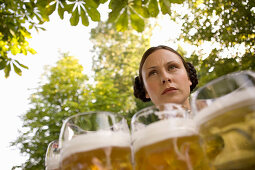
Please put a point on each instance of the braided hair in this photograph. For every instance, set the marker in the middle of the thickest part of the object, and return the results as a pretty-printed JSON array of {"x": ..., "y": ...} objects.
[{"x": 139, "y": 89}]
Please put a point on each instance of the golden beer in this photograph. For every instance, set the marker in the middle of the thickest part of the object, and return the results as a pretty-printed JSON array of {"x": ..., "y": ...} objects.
[
  {"x": 97, "y": 151},
  {"x": 228, "y": 130},
  {"x": 171, "y": 144}
]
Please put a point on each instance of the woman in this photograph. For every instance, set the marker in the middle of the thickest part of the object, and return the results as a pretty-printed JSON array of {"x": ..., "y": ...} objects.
[{"x": 165, "y": 77}]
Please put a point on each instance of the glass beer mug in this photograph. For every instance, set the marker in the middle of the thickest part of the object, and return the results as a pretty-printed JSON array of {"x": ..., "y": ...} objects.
[
  {"x": 166, "y": 137},
  {"x": 225, "y": 113},
  {"x": 52, "y": 156},
  {"x": 95, "y": 141}
]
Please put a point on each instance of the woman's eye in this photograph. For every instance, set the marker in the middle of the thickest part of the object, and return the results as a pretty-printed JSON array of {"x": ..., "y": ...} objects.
[
  {"x": 171, "y": 67},
  {"x": 153, "y": 72}
]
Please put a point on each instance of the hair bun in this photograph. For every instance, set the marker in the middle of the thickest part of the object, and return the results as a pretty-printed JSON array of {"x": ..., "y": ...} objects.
[
  {"x": 139, "y": 91},
  {"x": 192, "y": 75}
]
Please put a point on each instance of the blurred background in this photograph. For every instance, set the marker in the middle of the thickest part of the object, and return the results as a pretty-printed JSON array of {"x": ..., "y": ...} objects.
[{"x": 62, "y": 57}]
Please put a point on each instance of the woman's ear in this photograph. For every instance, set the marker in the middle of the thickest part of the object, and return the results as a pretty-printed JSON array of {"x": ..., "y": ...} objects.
[
  {"x": 146, "y": 95},
  {"x": 190, "y": 83}
]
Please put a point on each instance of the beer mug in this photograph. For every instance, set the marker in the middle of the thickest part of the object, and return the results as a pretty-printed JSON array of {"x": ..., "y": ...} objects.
[
  {"x": 96, "y": 141},
  {"x": 52, "y": 156},
  {"x": 166, "y": 137},
  {"x": 225, "y": 113}
]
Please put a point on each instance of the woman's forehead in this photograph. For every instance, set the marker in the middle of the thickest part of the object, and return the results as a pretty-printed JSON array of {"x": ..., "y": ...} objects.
[{"x": 161, "y": 56}]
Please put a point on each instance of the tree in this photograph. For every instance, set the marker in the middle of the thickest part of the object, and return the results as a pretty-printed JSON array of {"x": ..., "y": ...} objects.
[
  {"x": 228, "y": 26},
  {"x": 65, "y": 93},
  {"x": 116, "y": 61},
  {"x": 13, "y": 33},
  {"x": 18, "y": 16}
]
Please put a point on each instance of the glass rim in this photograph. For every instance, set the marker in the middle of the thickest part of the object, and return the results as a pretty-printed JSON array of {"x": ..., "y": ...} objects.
[
  {"x": 141, "y": 111},
  {"x": 157, "y": 109},
  {"x": 91, "y": 112},
  {"x": 195, "y": 94},
  {"x": 49, "y": 148},
  {"x": 171, "y": 126},
  {"x": 84, "y": 114}
]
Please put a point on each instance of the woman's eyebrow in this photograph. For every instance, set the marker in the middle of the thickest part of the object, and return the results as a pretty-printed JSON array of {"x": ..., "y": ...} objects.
[
  {"x": 154, "y": 67},
  {"x": 170, "y": 62},
  {"x": 151, "y": 67}
]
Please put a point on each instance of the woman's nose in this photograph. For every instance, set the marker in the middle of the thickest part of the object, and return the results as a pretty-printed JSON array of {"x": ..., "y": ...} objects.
[
  {"x": 165, "y": 77},
  {"x": 166, "y": 80}
]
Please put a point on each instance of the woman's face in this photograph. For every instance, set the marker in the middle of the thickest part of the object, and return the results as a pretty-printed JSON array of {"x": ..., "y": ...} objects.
[{"x": 165, "y": 78}]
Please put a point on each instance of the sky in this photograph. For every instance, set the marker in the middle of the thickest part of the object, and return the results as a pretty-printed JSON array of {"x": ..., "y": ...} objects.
[{"x": 59, "y": 36}]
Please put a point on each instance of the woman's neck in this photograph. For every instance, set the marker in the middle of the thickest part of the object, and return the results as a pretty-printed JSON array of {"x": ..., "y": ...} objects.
[{"x": 186, "y": 105}]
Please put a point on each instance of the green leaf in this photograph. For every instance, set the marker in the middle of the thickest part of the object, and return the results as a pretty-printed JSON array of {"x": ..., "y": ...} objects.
[
  {"x": 153, "y": 8},
  {"x": 50, "y": 9},
  {"x": 17, "y": 70},
  {"x": 142, "y": 11},
  {"x": 68, "y": 7},
  {"x": 21, "y": 64},
  {"x": 74, "y": 20},
  {"x": 137, "y": 3},
  {"x": 175, "y": 1},
  {"x": 84, "y": 18},
  {"x": 93, "y": 13},
  {"x": 165, "y": 6},
  {"x": 91, "y": 3},
  {"x": 114, "y": 15},
  {"x": 102, "y": 1},
  {"x": 122, "y": 22},
  {"x": 42, "y": 28},
  {"x": 3, "y": 64},
  {"x": 145, "y": 1},
  {"x": 7, "y": 70},
  {"x": 116, "y": 6},
  {"x": 61, "y": 12},
  {"x": 136, "y": 21}
]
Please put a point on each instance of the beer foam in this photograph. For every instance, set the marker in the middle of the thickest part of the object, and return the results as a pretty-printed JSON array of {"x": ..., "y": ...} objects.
[
  {"x": 226, "y": 103},
  {"x": 52, "y": 163},
  {"x": 95, "y": 140},
  {"x": 164, "y": 129}
]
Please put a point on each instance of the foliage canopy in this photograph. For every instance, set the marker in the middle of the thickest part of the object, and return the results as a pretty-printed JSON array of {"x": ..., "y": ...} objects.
[
  {"x": 18, "y": 16},
  {"x": 229, "y": 26}
]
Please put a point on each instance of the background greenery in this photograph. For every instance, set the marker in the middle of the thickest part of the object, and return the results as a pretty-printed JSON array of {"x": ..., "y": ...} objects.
[{"x": 228, "y": 26}]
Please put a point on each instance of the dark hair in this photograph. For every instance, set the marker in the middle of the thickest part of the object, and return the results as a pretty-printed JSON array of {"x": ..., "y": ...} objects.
[{"x": 139, "y": 90}]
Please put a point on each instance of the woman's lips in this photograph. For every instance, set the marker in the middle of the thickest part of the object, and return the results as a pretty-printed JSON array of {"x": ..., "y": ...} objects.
[{"x": 167, "y": 90}]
